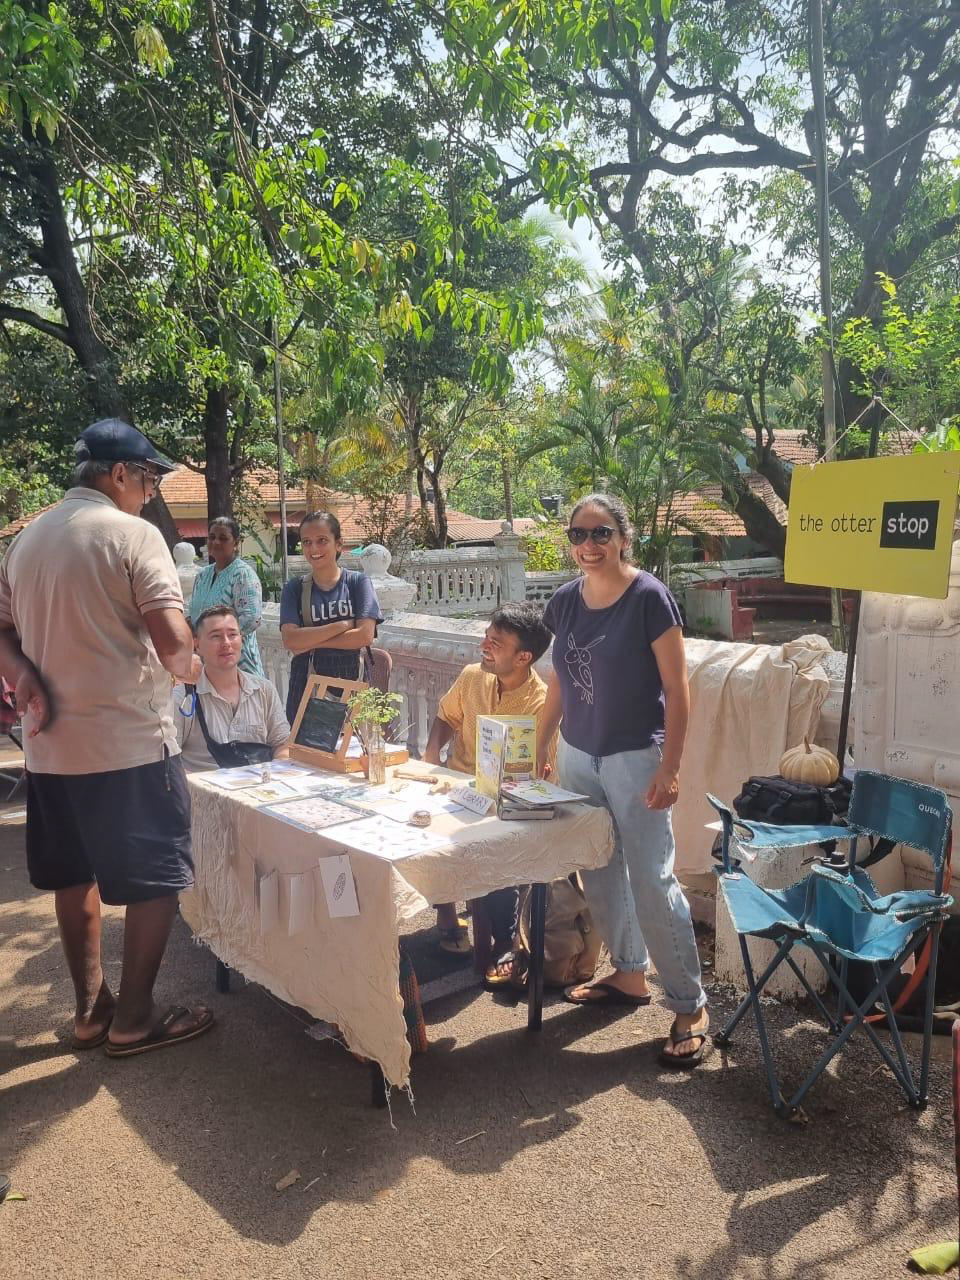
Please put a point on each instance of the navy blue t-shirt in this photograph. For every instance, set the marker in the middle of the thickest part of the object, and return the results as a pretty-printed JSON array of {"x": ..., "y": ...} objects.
[
  {"x": 609, "y": 679},
  {"x": 352, "y": 596}
]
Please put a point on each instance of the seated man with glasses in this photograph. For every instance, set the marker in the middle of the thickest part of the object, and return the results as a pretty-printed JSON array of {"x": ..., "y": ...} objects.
[
  {"x": 502, "y": 683},
  {"x": 230, "y": 716}
]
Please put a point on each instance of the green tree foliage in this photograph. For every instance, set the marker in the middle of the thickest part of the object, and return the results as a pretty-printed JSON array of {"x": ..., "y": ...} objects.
[
  {"x": 909, "y": 359},
  {"x": 610, "y": 105}
]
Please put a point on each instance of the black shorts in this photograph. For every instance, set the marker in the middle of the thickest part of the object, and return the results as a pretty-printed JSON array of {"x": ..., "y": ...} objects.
[{"x": 128, "y": 829}]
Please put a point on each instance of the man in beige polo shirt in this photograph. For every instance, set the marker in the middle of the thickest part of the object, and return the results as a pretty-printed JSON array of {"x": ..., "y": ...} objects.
[{"x": 91, "y": 630}]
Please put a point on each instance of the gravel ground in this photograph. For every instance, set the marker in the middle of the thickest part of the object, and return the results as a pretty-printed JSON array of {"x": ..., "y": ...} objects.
[{"x": 566, "y": 1155}]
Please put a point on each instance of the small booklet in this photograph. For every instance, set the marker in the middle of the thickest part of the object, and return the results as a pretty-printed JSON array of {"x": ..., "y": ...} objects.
[{"x": 537, "y": 793}]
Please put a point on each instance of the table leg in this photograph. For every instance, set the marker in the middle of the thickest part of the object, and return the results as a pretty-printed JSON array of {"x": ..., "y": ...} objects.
[
  {"x": 538, "y": 916},
  {"x": 378, "y": 1086},
  {"x": 223, "y": 978}
]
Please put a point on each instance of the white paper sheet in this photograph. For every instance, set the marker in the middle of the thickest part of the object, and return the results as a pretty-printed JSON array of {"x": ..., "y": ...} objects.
[
  {"x": 336, "y": 876},
  {"x": 233, "y": 779},
  {"x": 269, "y": 895},
  {"x": 301, "y": 892},
  {"x": 391, "y": 840},
  {"x": 270, "y": 792},
  {"x": 400, "y": 800}
]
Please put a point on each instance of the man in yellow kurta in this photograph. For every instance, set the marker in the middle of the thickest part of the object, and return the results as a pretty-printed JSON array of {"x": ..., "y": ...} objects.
[{"x": 502, "y": 683}]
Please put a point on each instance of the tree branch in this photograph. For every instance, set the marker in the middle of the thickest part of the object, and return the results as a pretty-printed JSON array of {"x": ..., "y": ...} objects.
[{"x": 22, "y": 315}]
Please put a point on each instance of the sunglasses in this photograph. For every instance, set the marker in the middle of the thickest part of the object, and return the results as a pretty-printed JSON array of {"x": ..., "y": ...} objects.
[{"x": 601, "y": 535}]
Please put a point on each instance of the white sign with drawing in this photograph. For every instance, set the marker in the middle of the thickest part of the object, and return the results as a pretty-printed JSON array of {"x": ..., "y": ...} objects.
[{"x": 339, "y": 888}]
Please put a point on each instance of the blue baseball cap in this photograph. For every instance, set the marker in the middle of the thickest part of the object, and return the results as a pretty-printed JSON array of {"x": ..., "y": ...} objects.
[{"x": 113, "y": 440}]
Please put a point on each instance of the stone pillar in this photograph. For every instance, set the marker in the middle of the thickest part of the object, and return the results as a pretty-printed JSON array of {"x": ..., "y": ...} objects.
[
  {"x": 513, "y": 564},
  {"x": 394, "y": 594}
]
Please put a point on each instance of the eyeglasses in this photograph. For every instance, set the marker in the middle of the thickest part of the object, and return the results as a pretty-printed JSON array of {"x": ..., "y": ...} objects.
[
  {"x": 149, "y": 475},
  {"x": 601, "y": 535}
]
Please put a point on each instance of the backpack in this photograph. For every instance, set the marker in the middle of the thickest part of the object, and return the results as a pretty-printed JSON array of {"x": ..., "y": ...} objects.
[
  {"x": 787, "y": 803},
  {"x": 571, "y": 945}
]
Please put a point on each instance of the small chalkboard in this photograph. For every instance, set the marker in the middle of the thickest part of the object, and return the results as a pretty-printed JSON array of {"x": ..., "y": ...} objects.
[
  {"x": 322, "y": 724},
  {"x": 322, "y": 731}
]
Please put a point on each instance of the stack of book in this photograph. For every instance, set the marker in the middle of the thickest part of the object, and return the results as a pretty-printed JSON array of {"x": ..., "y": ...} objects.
[{"x": 534, "y": 800}]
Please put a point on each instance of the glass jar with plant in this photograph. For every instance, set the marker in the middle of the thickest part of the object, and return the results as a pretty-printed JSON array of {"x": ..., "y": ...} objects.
[{"x": 371, "y": 711}]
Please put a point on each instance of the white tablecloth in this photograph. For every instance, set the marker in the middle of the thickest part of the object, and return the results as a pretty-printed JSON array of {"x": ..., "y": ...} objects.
[{"x": 346, "y": 970}]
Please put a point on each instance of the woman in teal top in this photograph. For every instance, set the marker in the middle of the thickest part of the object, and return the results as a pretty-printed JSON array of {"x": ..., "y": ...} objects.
[{"x": 229, "y": 580}]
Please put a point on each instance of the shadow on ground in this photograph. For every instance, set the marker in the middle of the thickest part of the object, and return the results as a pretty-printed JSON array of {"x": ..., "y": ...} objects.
[{"x": 582, "y": 1109}]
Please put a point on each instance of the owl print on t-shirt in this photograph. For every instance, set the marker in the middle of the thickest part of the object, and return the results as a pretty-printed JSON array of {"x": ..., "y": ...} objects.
[{"x": 579, "y": 659}]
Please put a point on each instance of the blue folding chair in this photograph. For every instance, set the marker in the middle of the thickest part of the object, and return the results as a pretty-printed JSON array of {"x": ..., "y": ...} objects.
[{"x": 838, "y": 914}]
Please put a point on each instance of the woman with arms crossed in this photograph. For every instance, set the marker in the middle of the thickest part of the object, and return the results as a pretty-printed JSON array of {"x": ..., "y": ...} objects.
[
  {"x": 344, "y": 611},
  {"x": 620, "y": 683}
]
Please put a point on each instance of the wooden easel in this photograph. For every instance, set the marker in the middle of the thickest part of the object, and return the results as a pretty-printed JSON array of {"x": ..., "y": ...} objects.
[{"x": 335, "y": 761}]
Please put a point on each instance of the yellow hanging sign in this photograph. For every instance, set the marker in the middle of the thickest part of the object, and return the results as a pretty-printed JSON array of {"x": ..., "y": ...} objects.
[{"x": 876, "y": 524}]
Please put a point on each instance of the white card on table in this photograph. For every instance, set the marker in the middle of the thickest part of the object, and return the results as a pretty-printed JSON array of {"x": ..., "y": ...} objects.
[
  {"x": 269, "y": 902},
  {"x": 470, "y": 799},
  {"x": 301, "y": 891},
  {"x": 336, "y": 875}
]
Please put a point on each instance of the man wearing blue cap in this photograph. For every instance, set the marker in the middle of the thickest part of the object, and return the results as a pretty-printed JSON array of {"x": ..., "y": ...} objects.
[{"x": 91, "y": 630}]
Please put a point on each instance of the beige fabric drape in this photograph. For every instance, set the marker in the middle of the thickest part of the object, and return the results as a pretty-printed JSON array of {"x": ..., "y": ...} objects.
[
  {"x": 748, "y": 703},
  {"x": 346, "y": 970}
]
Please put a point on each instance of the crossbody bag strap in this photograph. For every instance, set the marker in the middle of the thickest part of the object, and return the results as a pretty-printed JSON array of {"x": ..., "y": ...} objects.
[
  {"x": 367, "y": 651},
  {"x": 200, "y": 717},
  {"x": 306, "y": 600}
]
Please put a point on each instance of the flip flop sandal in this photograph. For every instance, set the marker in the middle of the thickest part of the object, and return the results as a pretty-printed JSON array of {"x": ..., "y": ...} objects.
[
  {"x": 610, "y": 995},
  {"x": 684, "y": 1061},
  {"x": 161, "y": 1037},
  {"x": 495, "y": 981},
  {"x": 81, "y": 1045},
  {"x": 455, "y": 941}
]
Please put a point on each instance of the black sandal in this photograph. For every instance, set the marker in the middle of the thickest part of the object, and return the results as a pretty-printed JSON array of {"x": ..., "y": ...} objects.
[
  {"x": 455, "y": 941},
  {"x": 684, "y": 1061}
]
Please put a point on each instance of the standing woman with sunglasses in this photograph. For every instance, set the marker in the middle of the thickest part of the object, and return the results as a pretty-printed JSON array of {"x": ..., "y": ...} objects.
[{"x": 619, "y": 681}]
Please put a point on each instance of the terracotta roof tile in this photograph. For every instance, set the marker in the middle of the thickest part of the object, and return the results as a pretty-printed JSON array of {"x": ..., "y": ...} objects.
[
  {"x": 15, "y": 526},
  {"x": 186, "y": 487}
]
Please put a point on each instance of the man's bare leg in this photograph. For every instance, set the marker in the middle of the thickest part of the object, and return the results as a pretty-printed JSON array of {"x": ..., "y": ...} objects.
[
  {"x": 145, "y": 934},
  {"x": 78, "y": 915}
]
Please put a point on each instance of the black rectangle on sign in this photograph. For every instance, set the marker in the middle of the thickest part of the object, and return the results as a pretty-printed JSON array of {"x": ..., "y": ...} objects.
[
  {"x": 911, "y": 525},
  {"x": 322, "y": 724}
]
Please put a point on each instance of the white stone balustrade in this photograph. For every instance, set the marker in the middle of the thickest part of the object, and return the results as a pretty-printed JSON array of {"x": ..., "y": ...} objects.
[{"x": 468, "y": 580}]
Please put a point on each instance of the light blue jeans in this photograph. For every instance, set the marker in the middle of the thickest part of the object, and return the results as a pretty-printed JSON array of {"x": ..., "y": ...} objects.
[{"x": 638, "y": 906}]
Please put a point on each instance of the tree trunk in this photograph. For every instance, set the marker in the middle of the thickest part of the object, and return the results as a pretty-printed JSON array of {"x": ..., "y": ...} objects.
[
  {"x": 216, "y": 443},
  {"x": 507, "y": 489},
  {"x": 760, "y": 522},
  {"x": 441, "y": 527},
  {"x": 60, "y": 266},
  {"x": 58, "y": 262}
]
